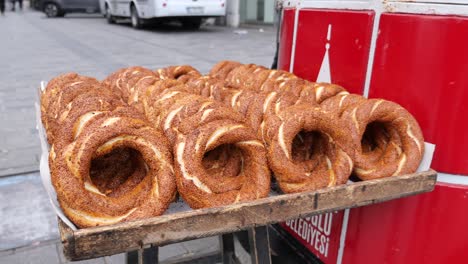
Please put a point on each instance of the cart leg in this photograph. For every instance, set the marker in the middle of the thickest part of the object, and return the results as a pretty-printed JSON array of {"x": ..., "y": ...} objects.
[
  {"x": 259, "y": 245},
  {"x": 143, "y": 256},
  {"x": 226, "y": 242},
  {"x": 132, "y": 257},
  {"x": 150, "y": 255}
]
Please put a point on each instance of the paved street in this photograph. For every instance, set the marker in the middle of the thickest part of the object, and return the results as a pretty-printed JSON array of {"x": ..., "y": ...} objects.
[{"x": 34, "y": 48}]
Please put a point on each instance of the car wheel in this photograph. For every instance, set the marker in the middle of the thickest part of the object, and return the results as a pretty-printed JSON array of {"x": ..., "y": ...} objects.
[
  {"x": 136, "y": 21},
  {"x": 192, "y": 23},
  {"x": 52, "y": 10},
  {"x": 109, "y": 16}
]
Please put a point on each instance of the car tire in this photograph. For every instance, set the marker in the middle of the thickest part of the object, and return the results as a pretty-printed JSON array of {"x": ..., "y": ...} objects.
[
  {"x": 52, "y": 10},
  {"x": 192, "y": 23},
  {"x": 109, "y": 17},
  {"x": 136, "y": 20}
]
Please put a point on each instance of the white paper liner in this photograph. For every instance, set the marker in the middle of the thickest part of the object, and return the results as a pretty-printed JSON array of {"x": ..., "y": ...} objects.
[
  {"x": 44, "y": 163},
  {"x": 425, "y": 164},
  {"x": 174, "y": 207}
]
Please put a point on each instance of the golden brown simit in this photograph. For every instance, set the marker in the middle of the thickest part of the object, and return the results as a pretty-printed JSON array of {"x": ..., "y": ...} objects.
[{"x": 79, "y": 197}]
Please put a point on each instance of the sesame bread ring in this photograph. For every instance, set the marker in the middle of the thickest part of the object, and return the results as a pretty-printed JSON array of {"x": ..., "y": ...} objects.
[
  {"x": 51, "y": 92},
  {"x": 82, "y": 108},
  {"x": 110, "y": 82},
  {"x": 83, "y": 203},
  {"x": 124, "y": 81},
  {"x": 71, "y": 91},
  {"x": 276, "y": 80},
  {"x": 264, "y": 104},
  {"x": 239, "y": 100},
  {"x": 340, "y": 102},
  {"x": 255, "y": 79},
  {"x": 61, "y": 94},
  {"x": 175, "y": 111},
  {"x": 247, "y": 77},
  {"x": 324, "y": 91},
  {"x": 182, "y": 73},
  {"x": 79, "y": 123},
  {"x": 206, "y": 115},
  {"x": 139, "y": 92},
  {"x": 200, "y": 189},
  {"x": 180, "y": 111},
  {"x": 252, "y": 105},
  {"x": 401, "y": 135},
  {"x": 259, "y": 78},
  {"x": 163, "y": 92},
  {"x": 121, "y": 166},
  {"x": 303, "y": 91},
  {"x": 332, "y": 168},
  {"x": 378, "y": 142},
  {"x": 209, "y": 87},
  {"x": 183, "y": 113},
  {"x": 223, "y": 68},
  {"x": 161, "y": 86}
]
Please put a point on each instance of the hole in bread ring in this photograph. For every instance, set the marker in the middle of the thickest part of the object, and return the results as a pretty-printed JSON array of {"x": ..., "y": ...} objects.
[
  {"x": 308, "y": 148},
  {"x": 200, "y": 189},
  {"x": 83, "y": 203},
  {"x": 117, "y": 172},
  {"x": 225, "y": 160},
  {"x": 224, "y": 165}
]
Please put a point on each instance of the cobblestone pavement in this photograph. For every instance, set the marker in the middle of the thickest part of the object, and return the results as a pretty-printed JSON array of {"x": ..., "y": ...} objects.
[{"x": 34, "y": 48}]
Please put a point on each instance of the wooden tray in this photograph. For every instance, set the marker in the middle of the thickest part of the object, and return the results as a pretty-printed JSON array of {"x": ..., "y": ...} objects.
[{"x": 176, "y": 227}]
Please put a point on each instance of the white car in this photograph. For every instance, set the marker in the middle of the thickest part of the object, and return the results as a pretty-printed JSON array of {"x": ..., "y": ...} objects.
[{"x": 190, "y": 12}]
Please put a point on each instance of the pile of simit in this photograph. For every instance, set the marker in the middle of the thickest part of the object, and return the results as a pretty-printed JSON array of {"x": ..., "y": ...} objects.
[{"x": 121, "y": 149}]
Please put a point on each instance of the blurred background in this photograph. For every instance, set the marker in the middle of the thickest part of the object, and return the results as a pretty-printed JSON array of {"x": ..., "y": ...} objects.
[{"x": 40, "y": 39}]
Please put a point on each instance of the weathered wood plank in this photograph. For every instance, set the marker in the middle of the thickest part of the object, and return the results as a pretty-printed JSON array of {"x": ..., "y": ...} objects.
[
  {"x": 167, "y": 229},
  {"x": 67, "y": 238}
]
